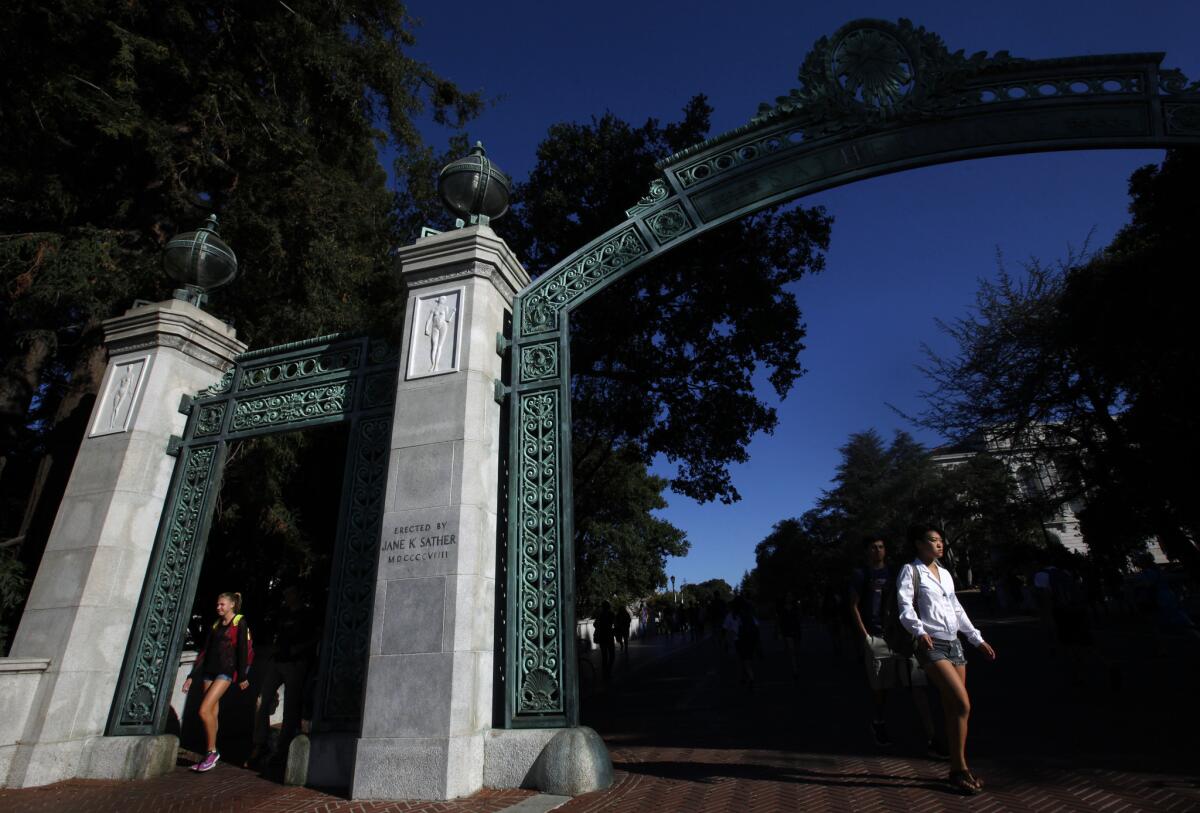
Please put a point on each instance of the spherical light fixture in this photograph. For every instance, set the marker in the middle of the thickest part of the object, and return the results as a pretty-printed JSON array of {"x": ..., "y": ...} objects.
[
  {"x": 474, "y": 188},
  {"x": 200, "y": 260}
]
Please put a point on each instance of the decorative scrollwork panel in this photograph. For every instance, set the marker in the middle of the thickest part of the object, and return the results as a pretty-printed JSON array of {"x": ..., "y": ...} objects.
[
  {"x": 556, "y": 291},
  {"x": 538, "y": 682},
  {"x": 148, "y": 661},
  {"x": 283, "y": 408},
  {"x": 353, "y": 591}
]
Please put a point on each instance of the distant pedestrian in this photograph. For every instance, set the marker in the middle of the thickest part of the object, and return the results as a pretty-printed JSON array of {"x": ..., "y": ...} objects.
[
  {"x": 1158, "y": 604},
  {"x": 224, "y": 660},
  {"x": 623, "y": 620},
  {"x": 604, "y": 631},
  {"x": 873, "y": 611},
  {"x": 789, "y": 616},
  {"x": 743, "y": 626},
  {"x": 931, "y": 612}
]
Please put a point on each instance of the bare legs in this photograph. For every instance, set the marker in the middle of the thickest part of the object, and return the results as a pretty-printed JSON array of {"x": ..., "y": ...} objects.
[
  {"x": 213, "y": 691},
  {"x": 951, "y": 683}
]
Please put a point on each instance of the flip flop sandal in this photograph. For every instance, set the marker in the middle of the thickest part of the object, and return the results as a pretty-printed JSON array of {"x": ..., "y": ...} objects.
[{"x": 963, "y": 781}]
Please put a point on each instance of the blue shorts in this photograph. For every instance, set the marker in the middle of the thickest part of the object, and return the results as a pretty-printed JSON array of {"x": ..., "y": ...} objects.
[
  {"x": 942, "y": 651},
  {"x": 211, "y": 677}
]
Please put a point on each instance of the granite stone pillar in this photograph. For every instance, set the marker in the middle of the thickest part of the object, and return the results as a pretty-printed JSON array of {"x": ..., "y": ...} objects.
[
  {"x": 86, "y": 591},
  {"x": 429, "y": 684}
]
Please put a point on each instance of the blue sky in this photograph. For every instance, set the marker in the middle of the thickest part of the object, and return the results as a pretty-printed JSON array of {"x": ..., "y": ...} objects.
[{"x": 906, "y": 249}]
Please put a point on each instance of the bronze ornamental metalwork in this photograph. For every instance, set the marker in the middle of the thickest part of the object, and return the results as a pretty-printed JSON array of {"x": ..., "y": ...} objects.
[
  {"x": 330, "y": 379},
  {"x": 874, "y": 98}
]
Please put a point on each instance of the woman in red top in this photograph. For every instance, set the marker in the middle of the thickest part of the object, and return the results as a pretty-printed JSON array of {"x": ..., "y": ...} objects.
[{"x": 223, "y": 660}]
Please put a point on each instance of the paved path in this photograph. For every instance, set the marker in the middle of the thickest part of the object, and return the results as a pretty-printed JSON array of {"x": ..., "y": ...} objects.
[{"x": 686, "y": 736}]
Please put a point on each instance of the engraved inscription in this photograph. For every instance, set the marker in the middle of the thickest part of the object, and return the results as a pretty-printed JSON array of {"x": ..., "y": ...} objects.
[{"x": 418, "y": 545}]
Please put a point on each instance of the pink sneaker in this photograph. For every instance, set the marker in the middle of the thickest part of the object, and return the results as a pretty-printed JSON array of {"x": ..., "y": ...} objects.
[{"x": 208, "y": 763}]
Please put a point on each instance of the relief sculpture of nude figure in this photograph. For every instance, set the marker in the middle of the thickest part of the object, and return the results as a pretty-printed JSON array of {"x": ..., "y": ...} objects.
[{"x": 437, "y": 326}]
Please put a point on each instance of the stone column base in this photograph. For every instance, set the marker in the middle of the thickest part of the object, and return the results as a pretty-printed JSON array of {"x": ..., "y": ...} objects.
[
  {"x": 129, "y": 757},
  {"x": 418, "y": 767},
  {"x": 561, "y": 761}
]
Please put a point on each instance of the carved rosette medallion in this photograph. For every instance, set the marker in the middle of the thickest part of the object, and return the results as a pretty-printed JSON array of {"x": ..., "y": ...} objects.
[
  {"x": 669, "y": 223},
  {"x": 1182, "y": 119},
  {"x": 873, "y": 66},
  {"x": 539, "y": 362},
  {"x": 208, "y": 422}
]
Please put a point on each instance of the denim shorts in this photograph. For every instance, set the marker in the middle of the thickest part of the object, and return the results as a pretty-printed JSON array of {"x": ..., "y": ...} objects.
[
  {"x": 211, "y": 677},
  {"x": 942, "y": 651}
]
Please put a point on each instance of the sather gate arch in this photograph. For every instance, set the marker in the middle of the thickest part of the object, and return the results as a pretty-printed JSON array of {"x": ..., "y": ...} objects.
[{"x": 874, "y": 98}]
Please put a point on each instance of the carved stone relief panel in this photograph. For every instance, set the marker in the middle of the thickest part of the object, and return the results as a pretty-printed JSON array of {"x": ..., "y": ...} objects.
[
  {"x": 434, "y": 344},
  {"x": 121, "y": 395}
]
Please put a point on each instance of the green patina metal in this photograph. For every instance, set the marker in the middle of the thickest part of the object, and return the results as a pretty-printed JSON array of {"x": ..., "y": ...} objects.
[
  {"x": 875, "y": 98},
  {"x": 330, "y": 379}
]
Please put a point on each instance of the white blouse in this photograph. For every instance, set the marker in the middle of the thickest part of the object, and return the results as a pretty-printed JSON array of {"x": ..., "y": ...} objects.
[{"x": 940, "y": 616}]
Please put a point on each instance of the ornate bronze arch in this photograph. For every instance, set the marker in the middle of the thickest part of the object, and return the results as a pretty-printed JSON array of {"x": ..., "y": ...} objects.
[
  {"x": 342, "y": 379},
  {"x": 876, "y": 97}
]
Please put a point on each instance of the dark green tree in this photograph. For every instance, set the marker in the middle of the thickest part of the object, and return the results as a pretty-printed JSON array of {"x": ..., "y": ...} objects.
[
  {"x": 1089, "y": 365},
  {"x": 665, "y": 361},
  {"x": 622, "y": 547},
  {"x": 125, "y": 123},
  {"x": 705, "y": 592}
]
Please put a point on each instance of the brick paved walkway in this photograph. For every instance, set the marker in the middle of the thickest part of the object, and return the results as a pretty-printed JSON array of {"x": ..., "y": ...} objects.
[
  {"x": 685, "y": 736},
  {"x": 225, "y": 788}
]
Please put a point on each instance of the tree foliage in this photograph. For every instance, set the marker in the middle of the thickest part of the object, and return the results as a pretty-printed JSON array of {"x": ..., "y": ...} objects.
[
  {"x": 125, "y": 123},
  {"x": 879, "y": 491},
  {"x": 1091, "y": 364},
  {"x": 666, "y": 361},
  {"x": 621, "y": 546}
]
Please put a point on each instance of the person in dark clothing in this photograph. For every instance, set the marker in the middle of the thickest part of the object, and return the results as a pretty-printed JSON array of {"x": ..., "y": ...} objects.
[
  {"x": 604, "y": 628},
  {"x": 224, "y": 660},
  {"x": 297, "y": 636},
  {"x": 873, "y": 607},
  {"x": 623, "y": 620},
  {"x": 743, "y": 624},
  {"x": 790, "y": 623}
]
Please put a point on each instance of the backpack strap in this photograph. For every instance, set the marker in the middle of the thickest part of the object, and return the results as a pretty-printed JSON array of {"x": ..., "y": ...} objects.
[{"x": 916, "y": 590}]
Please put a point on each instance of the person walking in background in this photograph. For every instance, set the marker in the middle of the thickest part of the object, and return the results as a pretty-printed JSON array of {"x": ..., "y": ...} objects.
[
  {"x": 744, "y": 627},
  {"x": 930, "y": 611},
  {"x": 788, "y": 613},
  {"x": 873, "y": 607},
  {"x": 624, "y": 619},
  {"x": 224, "y": 660},
  {"x": 297, "y": 636},
  {"x": 604, "y": 638}
]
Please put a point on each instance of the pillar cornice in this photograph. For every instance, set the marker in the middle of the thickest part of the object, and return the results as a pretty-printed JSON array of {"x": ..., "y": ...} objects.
[
  {"x": 175, "y": 324},
  {"x": 473, "y": 251}
]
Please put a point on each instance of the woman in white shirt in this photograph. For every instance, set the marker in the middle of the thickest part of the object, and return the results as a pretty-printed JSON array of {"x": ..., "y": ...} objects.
[{"x": 935, "y": 618}]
